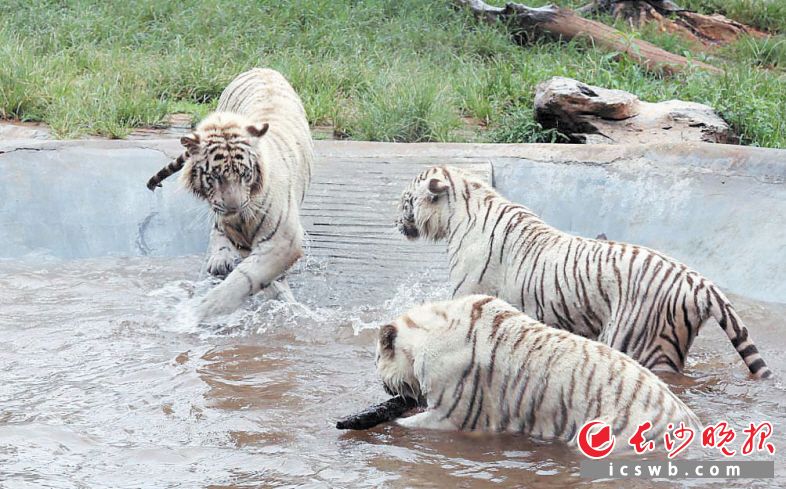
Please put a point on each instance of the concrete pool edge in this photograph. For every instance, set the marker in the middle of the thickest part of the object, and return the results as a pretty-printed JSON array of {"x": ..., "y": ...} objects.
[
  {"x": 719, "y": 208},
  {"x": 765, "y": 163},
  {"x": 578, "y": 153}
]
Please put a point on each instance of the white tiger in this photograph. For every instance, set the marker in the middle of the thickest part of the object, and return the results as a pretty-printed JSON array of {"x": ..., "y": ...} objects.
[
  {"x": 251, "y": 160},
  {"x": 482, "y": 365},
  {"x": 631, "y": 298}
]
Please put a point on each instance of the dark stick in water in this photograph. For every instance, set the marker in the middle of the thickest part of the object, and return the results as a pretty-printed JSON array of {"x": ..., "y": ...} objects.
[{"x": 379, "y": 413}]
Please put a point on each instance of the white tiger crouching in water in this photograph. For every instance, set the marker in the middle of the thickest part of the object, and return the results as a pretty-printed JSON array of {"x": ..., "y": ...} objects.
[
  {"x": 482, "y": 365},
  {"x": 251, "y": 160},
  {"x": 631, "y": 298}
]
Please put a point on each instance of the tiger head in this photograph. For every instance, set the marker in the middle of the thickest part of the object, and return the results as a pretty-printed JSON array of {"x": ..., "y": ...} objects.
[
  {"x": 222, "y": 165},
  {"x": 425, "y": 206},
  {"x": 397, "y": 346}
]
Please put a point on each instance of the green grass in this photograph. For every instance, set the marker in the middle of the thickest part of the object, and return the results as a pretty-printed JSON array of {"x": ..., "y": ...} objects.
[
  {"x": 769, "y": 52},
  {"x": 387, "y": 70}
]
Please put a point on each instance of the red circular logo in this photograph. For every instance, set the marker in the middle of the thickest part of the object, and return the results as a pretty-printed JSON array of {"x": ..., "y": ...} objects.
[{"x": 595, "y": 439}]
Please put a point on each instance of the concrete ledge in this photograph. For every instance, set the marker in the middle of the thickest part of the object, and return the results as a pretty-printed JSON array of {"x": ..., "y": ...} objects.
[{"x": 720, "y": 209}]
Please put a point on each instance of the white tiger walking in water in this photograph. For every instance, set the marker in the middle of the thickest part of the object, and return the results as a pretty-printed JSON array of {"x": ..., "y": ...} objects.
[
  {"x": 631, "y": 298},
  {"x": 251, "y": 160},
  {"x": 482, "y": 365}
]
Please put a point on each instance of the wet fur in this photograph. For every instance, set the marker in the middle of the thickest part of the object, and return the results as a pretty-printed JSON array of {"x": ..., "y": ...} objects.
[
  {"x": 482, "y": 365},
  {"x": 251, "y": 161},
  {"x": 632, "y": 298}
]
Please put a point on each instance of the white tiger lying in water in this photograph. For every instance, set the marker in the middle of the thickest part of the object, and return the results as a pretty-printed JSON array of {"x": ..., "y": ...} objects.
[
  {"x": 251, "y": 161},
  {"x": 632, "y": 298},
  {"x": 483, "y": 365}
]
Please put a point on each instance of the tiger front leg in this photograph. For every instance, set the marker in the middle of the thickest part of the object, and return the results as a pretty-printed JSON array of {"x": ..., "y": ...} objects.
[
  {"x": 279, "y": 290},
  {"x": 267, "y": 262},
  {"x": 224, "y": 256}
]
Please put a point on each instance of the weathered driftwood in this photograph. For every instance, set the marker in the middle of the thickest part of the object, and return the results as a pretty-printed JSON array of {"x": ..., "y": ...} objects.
[
  {"x": 588, "y": 114},
  {"x": 670, "y": 17},
  {"x": 566, "y": 24}
]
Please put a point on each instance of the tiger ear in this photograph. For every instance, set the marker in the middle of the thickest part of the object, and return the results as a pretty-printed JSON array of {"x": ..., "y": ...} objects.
[
  {"x": 258, "y": 130},
  {"x": 437, "y": 187},
  {"x": 190, "y": 142}
]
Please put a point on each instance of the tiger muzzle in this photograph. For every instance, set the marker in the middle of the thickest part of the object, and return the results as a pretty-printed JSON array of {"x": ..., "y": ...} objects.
[{"x": 408, "y": 228}]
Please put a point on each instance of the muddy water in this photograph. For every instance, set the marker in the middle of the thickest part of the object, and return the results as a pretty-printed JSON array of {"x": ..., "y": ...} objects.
[{"x": 104, "y": 384}]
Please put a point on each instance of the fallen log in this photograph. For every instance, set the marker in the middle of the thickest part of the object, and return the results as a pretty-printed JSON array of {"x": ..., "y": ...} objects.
[
  {"x": 670, "y": 17},
  {"x": 566, "y": 24}
]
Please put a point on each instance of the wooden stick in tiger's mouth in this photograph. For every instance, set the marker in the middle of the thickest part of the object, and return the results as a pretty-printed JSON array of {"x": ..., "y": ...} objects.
[
  {"x": 172, "y": 168},
  {"x": 383, "y": 412}
]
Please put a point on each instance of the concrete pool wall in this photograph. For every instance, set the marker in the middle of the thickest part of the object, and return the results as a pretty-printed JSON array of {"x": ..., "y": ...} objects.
[{"x": 720, "y": 209}]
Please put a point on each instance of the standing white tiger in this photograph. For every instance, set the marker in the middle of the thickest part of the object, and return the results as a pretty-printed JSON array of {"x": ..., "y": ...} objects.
[
  {"x": 482, "y": 365},
  {"x": 251, "y": 160},
  {"x": 631, "y": 298}
]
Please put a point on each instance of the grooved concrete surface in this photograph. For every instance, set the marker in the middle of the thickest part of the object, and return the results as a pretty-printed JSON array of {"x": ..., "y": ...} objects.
[{"x": 720, "y": 209}]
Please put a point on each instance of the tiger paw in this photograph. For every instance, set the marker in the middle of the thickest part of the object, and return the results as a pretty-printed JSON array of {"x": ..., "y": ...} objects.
[
  {"x": 221, "y": 263},
  {"x": 222, "y": 299},
  {"x": 428, "y": 419},
  {"x": 211, "y": 306}
]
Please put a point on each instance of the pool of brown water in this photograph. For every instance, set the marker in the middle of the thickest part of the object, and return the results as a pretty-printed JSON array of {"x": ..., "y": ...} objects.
[{"x": 105, "y": 383}]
